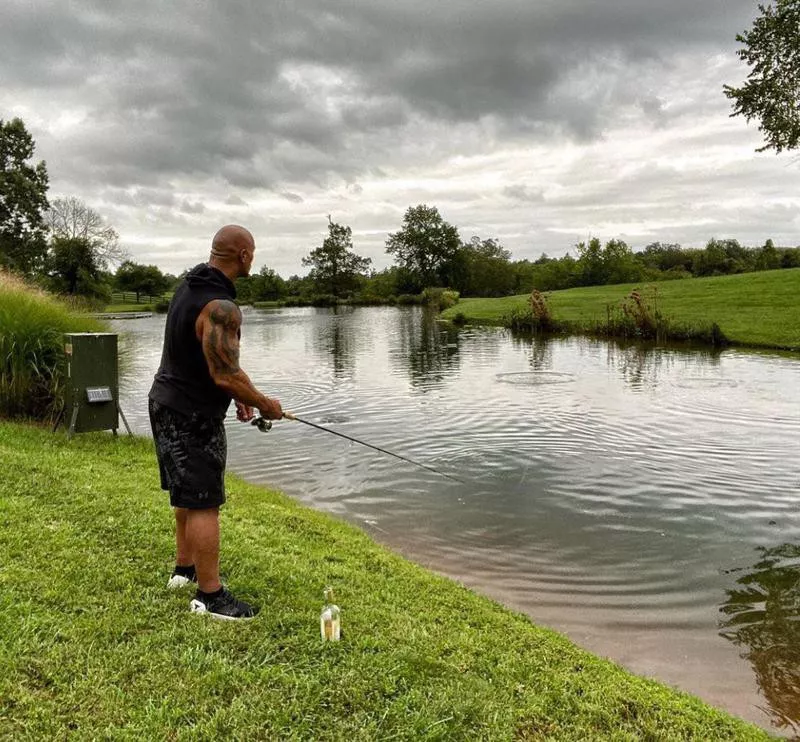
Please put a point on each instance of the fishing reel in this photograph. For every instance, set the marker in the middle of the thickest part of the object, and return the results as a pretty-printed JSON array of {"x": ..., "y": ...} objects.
[{"x": 262, "y": 424}]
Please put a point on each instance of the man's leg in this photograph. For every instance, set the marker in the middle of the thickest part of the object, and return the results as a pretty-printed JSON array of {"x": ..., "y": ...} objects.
[
  {"x": 202, "y": 532},
  {"x": 183, "y": 550}
]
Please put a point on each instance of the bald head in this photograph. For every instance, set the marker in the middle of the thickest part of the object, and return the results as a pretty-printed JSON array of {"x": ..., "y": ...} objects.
[{"x": 232, "y": 251}]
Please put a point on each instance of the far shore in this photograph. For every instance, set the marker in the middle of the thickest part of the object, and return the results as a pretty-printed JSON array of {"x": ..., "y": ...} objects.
[{"x": 757, "y": 310}]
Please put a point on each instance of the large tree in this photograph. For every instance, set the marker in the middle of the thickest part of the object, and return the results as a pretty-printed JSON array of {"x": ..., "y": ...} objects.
[
  {"x": 141, "y": 279},
  {"x": 70, "y": 218},
  {"x": 426, "y": 246},
  {"x": 771, "y": 93},
  {"x": 23, "y": 200},
  {"x": 267, "y": 285},
  {"x": 335, "y": 268},
  {"x": 74, "y": 269},
  {"x": 487, "y": 269}
]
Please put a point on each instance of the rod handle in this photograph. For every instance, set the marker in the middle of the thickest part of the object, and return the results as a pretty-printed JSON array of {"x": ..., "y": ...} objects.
[{"x": 289, "y": 415}]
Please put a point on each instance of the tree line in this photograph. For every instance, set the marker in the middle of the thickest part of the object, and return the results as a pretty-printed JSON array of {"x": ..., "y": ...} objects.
[{"x": 429, "y": 252}]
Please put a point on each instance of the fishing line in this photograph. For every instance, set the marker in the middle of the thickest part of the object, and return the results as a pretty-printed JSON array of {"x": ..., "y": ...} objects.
[{"x": 265, "y": 425}]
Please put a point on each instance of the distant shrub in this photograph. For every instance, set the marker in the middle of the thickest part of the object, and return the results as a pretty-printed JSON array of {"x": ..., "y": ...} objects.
[
  {"x": 369, "y": 299},
  {"x": 408, "y": 299},
  {"x": 161, "y": 306},
  {"x": 674, "y": 274},
  {"x": 324, "y": 300},
  {"x": 460, "y": 319},
  {"x": 32, "y": 368},
  {"x": 440, "y": 297}
]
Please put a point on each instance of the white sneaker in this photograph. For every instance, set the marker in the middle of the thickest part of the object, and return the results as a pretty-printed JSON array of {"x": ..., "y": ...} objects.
[{"x": 178, "y": 581}]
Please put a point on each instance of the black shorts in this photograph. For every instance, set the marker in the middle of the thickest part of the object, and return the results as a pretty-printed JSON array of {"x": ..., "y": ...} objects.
[{"x": 191, "y": 452}]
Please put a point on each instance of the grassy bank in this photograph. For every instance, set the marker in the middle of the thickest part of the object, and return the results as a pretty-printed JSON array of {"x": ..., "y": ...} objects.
[
  {"x": 32, "y": 327},
  {"x": 93, "y": 646},
  {"x": 267, "y": 304},
  {"x": 757, "y": 309},
  {"x": 127, "y": 308}
]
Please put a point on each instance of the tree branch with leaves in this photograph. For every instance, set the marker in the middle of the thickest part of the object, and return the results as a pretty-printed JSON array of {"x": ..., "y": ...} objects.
[
  {"x": 771, "y": 93},
  {"x": 23, "y": 200}
]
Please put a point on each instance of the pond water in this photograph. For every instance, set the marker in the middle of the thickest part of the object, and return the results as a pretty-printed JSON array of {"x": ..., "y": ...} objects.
[{"x": 644, "y": 501}]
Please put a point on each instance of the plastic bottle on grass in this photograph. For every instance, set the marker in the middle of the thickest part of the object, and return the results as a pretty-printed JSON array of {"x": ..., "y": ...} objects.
[{"x": 329, "y": 619}]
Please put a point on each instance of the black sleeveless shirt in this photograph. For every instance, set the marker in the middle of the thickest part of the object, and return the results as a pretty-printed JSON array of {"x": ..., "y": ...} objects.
[{"x": 183, "y": 381}]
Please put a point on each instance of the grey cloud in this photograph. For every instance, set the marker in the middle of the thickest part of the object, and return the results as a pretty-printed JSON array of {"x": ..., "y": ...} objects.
[
  {"x": 520, "y": 192},
  {"x": 192, "y": 207},
  {"x": 206, "y": 90},
  {"x": 139, "y": 197},
  {"x": 159, "y": 111},
  {"x": 653, "y": 108}
]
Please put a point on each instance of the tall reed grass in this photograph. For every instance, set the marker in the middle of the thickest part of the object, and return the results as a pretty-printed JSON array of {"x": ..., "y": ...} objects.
[
  {"x": 32, "y": 327},
  {"x": 636, "y": 317},
  {"x": 537, "y": 318}
]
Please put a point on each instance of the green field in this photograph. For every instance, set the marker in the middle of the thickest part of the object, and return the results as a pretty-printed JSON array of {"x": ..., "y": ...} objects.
[
  {"x": 127, "y": 308},
  {"x": 125, "y": 302},
  {"x": 267, "y": 304},
  {"x": 758, "y": 309},
  {"x": 93, "y": 645}
]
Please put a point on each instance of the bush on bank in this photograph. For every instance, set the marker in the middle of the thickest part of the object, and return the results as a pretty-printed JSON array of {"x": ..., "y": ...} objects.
[{"x": 32, "y": 327}]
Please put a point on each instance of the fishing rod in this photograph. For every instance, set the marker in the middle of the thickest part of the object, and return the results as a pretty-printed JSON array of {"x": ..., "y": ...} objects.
[{"x": 265, "y": 425}]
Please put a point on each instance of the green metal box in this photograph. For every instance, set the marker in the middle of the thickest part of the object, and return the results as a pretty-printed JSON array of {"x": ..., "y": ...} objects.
[{"x": 92, "y": 387}]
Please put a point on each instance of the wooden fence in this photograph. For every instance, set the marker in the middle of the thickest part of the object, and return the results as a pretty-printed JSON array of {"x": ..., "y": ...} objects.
[{"x": 129, "y": 297}]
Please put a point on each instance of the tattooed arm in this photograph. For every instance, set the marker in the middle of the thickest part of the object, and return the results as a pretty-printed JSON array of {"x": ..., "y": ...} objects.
[{"x": 218, "y": 330}]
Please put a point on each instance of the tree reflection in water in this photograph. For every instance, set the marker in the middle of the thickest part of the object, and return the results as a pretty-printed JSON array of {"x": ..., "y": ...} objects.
[
  {"x": 762, "y": 615},
  {"x": 337, "y": 338},
  {"x": 428, "y": 348},
  {"x": 642, "y": 365}
]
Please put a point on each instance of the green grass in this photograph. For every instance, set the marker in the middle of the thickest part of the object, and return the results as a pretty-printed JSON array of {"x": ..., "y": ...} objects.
[
  {"x": 267, "y": 304},
  {"x": 93, "y": 646},
  {"x": 126, "y": 308},
  {"x": 32, "y": 327},
  {"x": 757, "y": 309}
]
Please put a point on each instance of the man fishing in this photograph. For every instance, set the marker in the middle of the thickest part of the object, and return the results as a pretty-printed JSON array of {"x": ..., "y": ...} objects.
[{"x": 198, "y": 377}]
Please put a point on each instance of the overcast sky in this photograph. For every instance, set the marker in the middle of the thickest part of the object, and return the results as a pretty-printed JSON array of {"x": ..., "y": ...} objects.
[{"x": 536, "y": 122}]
